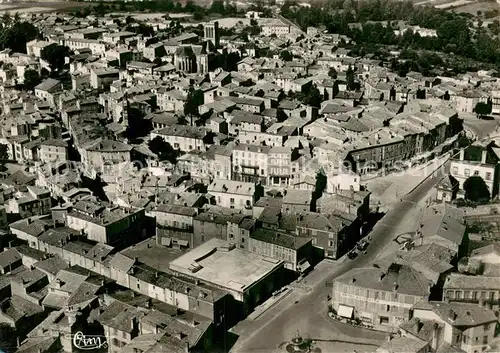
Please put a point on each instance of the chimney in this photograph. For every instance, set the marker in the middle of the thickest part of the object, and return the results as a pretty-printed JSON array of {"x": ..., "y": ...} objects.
[
  {"x": 434, "y": 335},
  {"x": 452, "y": 315},
  {"x": 353, "y": 280},
  {"x": 483, "y": 156},
  {"x": 187, "y": 347},
  {"x": 462, "y": 154},
  {"x": 381, "y": 277}
]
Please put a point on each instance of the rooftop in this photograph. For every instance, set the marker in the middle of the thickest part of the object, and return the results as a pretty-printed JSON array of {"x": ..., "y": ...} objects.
[
  {"x": 288, "y": 241},
  {"x": 219, "y": 263},
  {"x": 232, "y": 187},
  {"x": 459, "y": 281},
  {"x": 401, "y": 279},
  {"x": 443, "y": 221},
  {"x": 459, "y": 314}
]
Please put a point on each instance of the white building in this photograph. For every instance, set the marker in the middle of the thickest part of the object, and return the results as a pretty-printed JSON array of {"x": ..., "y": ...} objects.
[
  {"x": 182, "y": 137},
  {"x": 477, "y": 161},
  {"x": 274, "y": 26},
  {"x": 233, "y": 194},
  {"x": 250, "y": 162},
  {"x": 53, "y": 150}
]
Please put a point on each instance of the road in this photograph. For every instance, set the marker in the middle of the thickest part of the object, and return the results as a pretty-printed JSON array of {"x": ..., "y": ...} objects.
[
  {"x": 305, "y": 311},
  {"x": 481, "y": 128}
]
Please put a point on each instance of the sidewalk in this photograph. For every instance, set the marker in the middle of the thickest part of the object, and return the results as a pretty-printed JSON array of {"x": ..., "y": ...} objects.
[{"x": 261, "y": 309}]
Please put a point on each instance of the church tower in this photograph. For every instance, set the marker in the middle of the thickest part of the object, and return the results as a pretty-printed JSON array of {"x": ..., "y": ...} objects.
[{"x": 212, "y": 33}]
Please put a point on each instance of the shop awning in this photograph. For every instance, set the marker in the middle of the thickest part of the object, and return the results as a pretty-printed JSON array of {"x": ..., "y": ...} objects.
[{"x": 345, "y": 311}]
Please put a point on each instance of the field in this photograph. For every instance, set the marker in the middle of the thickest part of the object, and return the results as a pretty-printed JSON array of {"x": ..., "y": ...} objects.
[
  {"x": 476, "y": 6},
  {"x": 41, "y": 6}
]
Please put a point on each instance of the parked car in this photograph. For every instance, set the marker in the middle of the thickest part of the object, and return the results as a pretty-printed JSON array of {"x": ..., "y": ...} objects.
[{"x": 352, "y": 255}]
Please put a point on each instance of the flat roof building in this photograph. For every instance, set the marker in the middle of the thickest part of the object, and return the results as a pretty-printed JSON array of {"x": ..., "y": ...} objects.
[{"x": 250, "y": 278}]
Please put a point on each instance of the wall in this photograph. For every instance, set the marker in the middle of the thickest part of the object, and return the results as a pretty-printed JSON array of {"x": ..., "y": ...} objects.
[{"x": 371, "y": 304}]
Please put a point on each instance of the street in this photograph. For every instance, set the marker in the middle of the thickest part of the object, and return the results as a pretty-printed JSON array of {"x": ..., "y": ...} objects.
[
  {"x": 480, "y": 128},
  {"x": 306, "y": 310}
]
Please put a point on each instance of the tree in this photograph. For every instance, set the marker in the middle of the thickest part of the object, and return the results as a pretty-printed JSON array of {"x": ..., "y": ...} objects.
[
  {"x": 319, "y": 188},
  {"x": 56, "y": 55},
  {"x": 8, "y": 338},
  {"x": 193, "y": 101},
  {"x": 6, "y": 19},
  {"x": 312, "y": 97},
  {"x": 476, "y": 189},
  {"x": 462, "y": 141},
  {"x": 163, "y": 149},
  {"x": 350, "y": 79},
  {"x": 332, "y": 73},
  {"x": 31, "y": 79},
  {"x": 4, "y": 152},
  {"x": 198, "y": 15},
  {"x": 17, "y": 35},
  {"x": 482, "y": 109},
  {"x": 285, "y": 55},
  {"x": 218, "y": 7}
]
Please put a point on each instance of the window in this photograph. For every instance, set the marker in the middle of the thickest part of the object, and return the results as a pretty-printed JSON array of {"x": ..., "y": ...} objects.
[
  {"x": 384, "y": 320},
  {"x": 458, "y": 294},
  {"x": 476, "y": 172},
  {"x": 116, "y": 342},
  {"x": 138, "y": 286},
  {"x": 485, "y": 339},
  {"x": 474, "y": 295},
  {"x": 387, "y": 308},
  {"x": 488, "y": 176},
  {"x": 243, "y": 240},
  {"x": 486, "y": 327},
  {"x": 231, "y": 200},
  {"x": 467, "y": 172}
]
